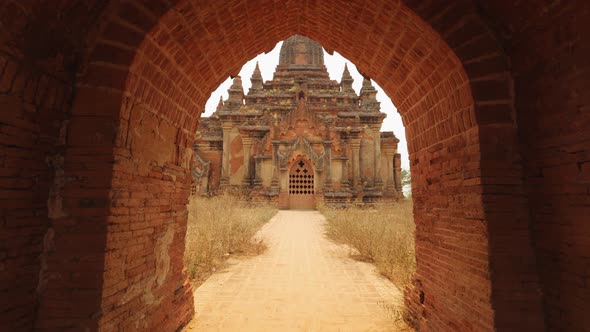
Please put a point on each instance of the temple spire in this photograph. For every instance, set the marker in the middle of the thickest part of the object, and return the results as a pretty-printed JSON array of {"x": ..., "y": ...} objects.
[
  {"x": 256, "y": 79},
  {"x": 236, "y": 94},
  {"x": 368, "y": 96},
  {"x": 346, "y": 73},
  {"x": 347, "y": 81},
  {"x": 220, "y": 104},
  {"x": 367, "y": 84}
]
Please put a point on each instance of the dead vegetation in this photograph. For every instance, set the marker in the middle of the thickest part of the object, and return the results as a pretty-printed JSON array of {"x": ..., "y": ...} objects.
[
  {"x": 383, "y": 236},
  {"x": 219, "y": 227}
]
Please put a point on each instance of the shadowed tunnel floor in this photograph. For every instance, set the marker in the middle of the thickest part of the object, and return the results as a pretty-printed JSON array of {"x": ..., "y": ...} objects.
[{"x": 303, "y": 282}]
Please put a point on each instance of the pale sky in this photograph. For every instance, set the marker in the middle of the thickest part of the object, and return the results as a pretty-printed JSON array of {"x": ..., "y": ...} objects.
[{"x": 335, "y": 65}]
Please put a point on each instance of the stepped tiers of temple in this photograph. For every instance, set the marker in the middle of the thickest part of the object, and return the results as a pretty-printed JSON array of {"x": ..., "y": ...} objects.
[{"x": 299, "y": 139}]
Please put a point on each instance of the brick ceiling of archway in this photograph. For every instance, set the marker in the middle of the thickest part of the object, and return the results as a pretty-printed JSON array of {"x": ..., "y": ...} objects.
[{"x": 194, "y": 47}]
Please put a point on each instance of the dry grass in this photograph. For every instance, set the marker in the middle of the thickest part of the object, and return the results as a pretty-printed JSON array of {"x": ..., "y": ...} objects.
[
  {"x": 383, "y": 236},
  {"x": 219, "y": 227}
]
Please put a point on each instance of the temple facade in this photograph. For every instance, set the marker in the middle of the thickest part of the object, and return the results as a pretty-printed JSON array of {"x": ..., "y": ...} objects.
[{"x": 298, "y": 139}]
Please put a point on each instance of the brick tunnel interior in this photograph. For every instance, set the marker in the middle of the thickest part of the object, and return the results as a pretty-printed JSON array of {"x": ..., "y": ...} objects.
[{"x": 99, "y": 102}]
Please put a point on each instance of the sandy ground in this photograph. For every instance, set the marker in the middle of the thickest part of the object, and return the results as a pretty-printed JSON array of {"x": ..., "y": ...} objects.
[{"x": 303, "y": 282}]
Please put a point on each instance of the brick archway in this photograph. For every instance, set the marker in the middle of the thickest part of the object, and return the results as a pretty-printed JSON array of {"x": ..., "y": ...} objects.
[
  {"x": 448, "y": 104},
  {"x": 121, "y": 180}
]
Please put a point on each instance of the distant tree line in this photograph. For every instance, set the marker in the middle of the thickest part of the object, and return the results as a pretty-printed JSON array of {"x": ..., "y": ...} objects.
[{"x": 406, "y": 178}]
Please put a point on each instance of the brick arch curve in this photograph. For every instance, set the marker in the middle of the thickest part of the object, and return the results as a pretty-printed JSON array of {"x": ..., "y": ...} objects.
[{"x": 151, "y": 68}]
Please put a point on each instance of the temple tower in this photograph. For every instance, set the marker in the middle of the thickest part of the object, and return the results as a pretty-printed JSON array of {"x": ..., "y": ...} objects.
[{"x": 301, "y": 120}]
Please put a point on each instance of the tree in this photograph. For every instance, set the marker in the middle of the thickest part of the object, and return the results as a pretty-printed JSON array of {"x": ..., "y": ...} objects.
[{"x": 406, "y": 177}]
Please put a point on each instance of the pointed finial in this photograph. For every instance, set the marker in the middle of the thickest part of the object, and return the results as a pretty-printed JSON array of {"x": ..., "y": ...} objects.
[
  {"x": 346, "y": 77},
  {"x": 256, "y": 79},
  {"x": 220, "y": 104},
  {"x": 346, "y": 81},
  {"x": 346, "y": 72},
  {"x": 368, "y": 96},
  {"x": 257, "y": 71},
  {"x": 236, "y": 94},
  {"x": 367, "y": 83},
  {"x": 237, "y": 84}
]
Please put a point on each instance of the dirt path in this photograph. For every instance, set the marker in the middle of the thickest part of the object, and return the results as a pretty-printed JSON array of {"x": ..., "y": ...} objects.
[{"x": 303, "y": 282}]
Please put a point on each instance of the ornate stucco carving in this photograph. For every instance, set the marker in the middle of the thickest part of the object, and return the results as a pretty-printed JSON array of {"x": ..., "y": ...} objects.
[
  {"x": 301, "y": 144},
  {"x": 199, "y": 168}
]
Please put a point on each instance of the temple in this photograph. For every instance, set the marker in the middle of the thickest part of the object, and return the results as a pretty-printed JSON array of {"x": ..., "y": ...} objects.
[{"x": 298, "y": 139}]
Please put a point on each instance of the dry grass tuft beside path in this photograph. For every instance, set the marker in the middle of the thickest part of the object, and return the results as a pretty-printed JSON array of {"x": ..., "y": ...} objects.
[
  {"x": 383, "y": 235},
  {"x": 219, "y": 227}
]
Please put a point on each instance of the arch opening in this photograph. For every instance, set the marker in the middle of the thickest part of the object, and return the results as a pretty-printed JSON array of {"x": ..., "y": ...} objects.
[
  {"x": 436, "y": 88},
  {"x": 340, "y": 124}
]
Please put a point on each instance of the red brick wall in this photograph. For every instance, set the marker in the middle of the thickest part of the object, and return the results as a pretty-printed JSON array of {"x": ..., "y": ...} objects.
[
  {"x": 549, "y": 50},
  {"x": 31, "y": 122},
  {"x": 36, "y": 75},
  {"x": 474, "y": 199},
  {"x": 144, "y": 286},
  {"x": 557, "y": 141}
]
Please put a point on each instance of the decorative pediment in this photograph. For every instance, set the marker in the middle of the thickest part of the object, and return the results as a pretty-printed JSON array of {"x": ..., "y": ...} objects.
[{"x": 301, "y": 144}]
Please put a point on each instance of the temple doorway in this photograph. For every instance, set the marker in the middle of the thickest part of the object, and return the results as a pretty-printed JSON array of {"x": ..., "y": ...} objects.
[{"x": 301, "y": 186}]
